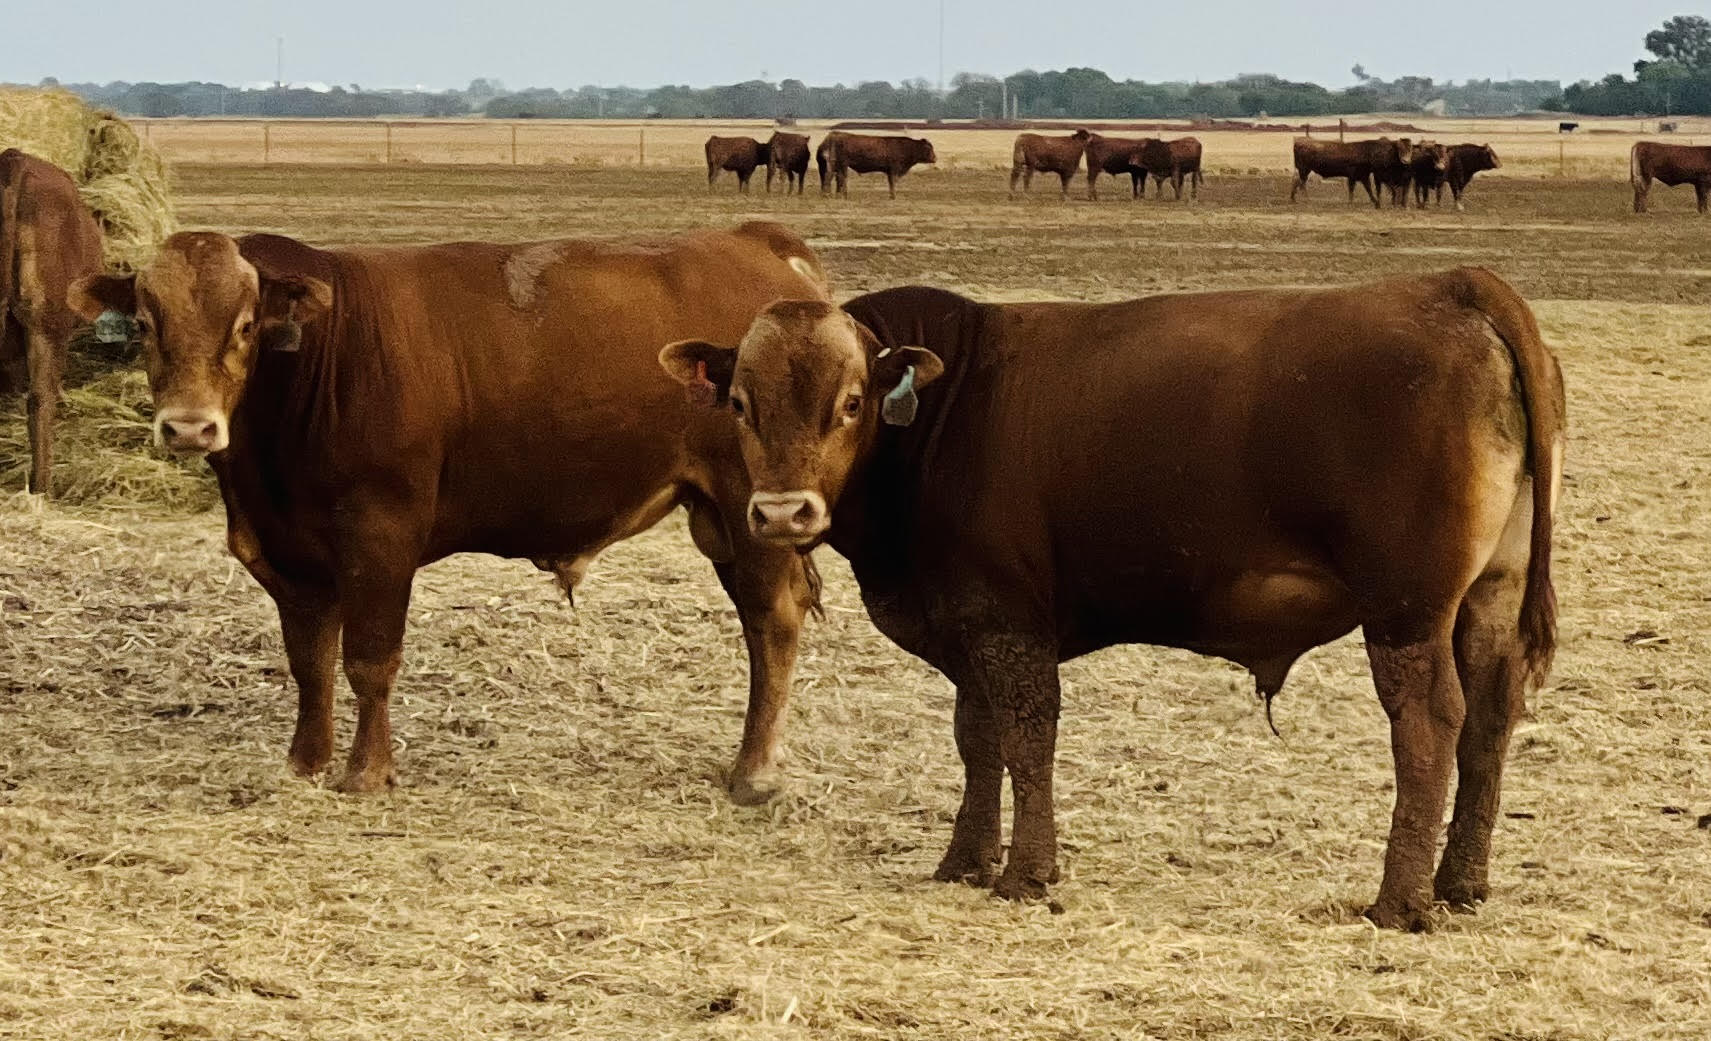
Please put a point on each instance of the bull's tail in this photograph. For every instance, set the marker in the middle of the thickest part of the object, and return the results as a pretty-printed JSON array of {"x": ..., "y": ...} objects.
[
  {"x": 10, "y": 170},
  {"x": 820, "y": 161},
  {"x": 1542, "y": 397}
]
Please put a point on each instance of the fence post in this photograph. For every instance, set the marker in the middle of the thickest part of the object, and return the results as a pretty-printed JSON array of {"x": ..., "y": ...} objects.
[
  {"x": 389, "y": 143},
  {"x": 1342, "y": 129},
  {"x": 513, "y": 144},
  {"x": 266, "y": 142},
  {"x": 1562, "y": 158},
  {"x": 641, "y": 146}
]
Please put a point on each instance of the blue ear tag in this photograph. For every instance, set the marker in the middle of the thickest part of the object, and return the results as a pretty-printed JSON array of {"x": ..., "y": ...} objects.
[
  {"x": 113, "y": 327},
  {"x": 899, "y": 406}
]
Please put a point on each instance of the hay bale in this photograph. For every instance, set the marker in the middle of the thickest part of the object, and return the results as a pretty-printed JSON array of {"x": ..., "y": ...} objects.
[{"x": 121, "y": 177}]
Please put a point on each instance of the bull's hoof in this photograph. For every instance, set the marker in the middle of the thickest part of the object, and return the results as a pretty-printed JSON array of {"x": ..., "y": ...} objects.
[
  {"x": 1462, "y": 897},
  {"x": 368, "y": 780},
  {"x": 1024, "y": 883},
  {"x": 308, "y": 759},
  {"x": 974, "y": 867},
  {"x": 755, "y": 789},
  {"x": 1405, "y": 919}
]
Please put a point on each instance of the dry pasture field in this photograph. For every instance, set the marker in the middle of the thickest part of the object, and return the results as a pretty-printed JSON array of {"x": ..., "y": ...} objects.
[{"x": 560, "y": 860}]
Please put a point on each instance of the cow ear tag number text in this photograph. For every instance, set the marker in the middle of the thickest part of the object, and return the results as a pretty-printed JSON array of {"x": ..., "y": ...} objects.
[{"x": 900, "y": 405}]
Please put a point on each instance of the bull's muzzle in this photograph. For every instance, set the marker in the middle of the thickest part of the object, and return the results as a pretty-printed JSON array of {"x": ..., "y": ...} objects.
[
  {"x": 190, "y": 431},
  {"x": 796, "y": 518}
]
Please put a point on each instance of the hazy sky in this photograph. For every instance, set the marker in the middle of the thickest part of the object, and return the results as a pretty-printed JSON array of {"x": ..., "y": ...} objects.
[{"x": 440, "y": 43}]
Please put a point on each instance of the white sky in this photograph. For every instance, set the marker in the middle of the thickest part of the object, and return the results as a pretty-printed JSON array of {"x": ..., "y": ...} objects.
[{"x": 441, "y": 43}]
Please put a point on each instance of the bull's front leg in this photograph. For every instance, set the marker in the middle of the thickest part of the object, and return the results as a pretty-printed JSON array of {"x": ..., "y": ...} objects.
[
  {"x": 773, "y": 591},
  {"x": 1013, "y": 670},
  {"x": 378, "y": 553}
]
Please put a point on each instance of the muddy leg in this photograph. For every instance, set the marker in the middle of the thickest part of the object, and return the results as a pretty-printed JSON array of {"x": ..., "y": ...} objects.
[
  {"x": 1490, "y": 661},
  {"x": 977, "y": 844},
  {"x": 1421, "y": 693}
]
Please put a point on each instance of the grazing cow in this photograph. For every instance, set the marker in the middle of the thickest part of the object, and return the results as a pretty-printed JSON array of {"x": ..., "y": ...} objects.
[
  {"x": 1671, "y": 164},
  {"x": 1366, "y": 163},
  {"x": 370, "y": 410},
  {"x": 1426, "y": 171},
  {"x": 1037, "y": 153},
  {"x": 840, "y": 153},
  {"x": 48, "y": 239},
  {"x": 1248, "y": 475},
  {"x": 1173, "y": 161},
  {"x": 1465, "y": 161},
  {"x": 740, "y": 155},
  {"x": 1115, "y": 156},
  {"x": 787, "y": 153}
]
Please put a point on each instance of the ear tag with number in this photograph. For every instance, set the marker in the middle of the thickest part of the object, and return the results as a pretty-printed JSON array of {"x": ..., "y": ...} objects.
[{"x": 899, "y": 406}]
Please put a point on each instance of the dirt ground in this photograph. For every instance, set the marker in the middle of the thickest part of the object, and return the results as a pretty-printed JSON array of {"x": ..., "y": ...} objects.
[{"x": 560, "y": 859}]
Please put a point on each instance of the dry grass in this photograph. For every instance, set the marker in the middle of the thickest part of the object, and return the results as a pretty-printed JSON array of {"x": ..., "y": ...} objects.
[{"x": 561, "y": 861}]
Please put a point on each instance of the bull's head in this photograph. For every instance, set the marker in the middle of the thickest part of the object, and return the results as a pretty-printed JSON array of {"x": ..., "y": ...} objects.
[
  {"x": 203, "y": 314},
  {"x": 1491, "y": 160},
  {"x": 810, "y": 388},
  {"x": 924, "y": 151}
]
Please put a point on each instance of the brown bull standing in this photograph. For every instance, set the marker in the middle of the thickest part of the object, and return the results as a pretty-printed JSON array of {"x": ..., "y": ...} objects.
[
  {"x": 1248, "y": 475},
  {"x": 1673, "y": 165},
  {"x": 1035, "y": 153},
  {"x": 787, "y": 154},
  {"x": 841, "y": 153},
  {"x": 1463, "y": 162},
  {"x": 370, "y": 410},
  {"x": 1115, "y": 156},
  {"x": 1175, "y": 161},
  {"x": 1370, "y": 164},
  {"x": 48, "y": 240},
  {"x": 740, "y": 155}
]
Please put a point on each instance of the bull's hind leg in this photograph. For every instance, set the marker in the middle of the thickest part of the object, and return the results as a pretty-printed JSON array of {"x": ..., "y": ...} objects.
[
  {"x": 1702, "y": 194},
  {"x": 1490, "y": 662},
  {"x": 773, "y": 592},
  {"x": 1414, "y": 670}
]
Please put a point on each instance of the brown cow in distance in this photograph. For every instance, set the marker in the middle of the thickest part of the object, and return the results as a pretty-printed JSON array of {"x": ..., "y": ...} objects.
[
  {"x": 740, "y": 155},
  {"x": 787, "y": 153},
  {"x": 1426, "y": 171},
  {"x": 1174, "y": 161},
  {"x": 1465, "y": 161},
  {"x": 1369, "y": 164},
  {"x": 48, "y": 240},
  {"x": 840, "y": 153},
  {"x": 1671, "y": 164},
  {"x": 1247, "y": 475},
  {"x": 1115, "y": 156},
  {"x": 1036, "y": 153},
  {"x": 370, "y": 410}
]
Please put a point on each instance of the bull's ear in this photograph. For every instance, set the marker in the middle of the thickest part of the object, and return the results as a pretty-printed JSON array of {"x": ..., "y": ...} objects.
[
  {"x": 704, "y": 369},
  {"x": 898, "y": 374},
  {"x": 287, "y": 302},
  {"x": 94, "y": 294}
]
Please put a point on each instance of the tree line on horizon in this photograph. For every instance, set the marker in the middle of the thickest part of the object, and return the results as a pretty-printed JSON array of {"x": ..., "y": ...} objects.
[{"x": 1676, "y": 80}]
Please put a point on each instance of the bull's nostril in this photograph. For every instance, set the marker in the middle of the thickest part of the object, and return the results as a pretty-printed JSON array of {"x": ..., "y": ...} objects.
[
  {"x": 757, "y": 517},
  {"x": 804, "y": 515},
  {"x": 210, "y": 431}
]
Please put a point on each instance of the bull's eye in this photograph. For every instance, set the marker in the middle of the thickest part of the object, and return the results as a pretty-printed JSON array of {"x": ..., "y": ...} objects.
[
  {"x": 247, "y": 329},
  {"x": 737, "y": 406},
  {"x": 852, "y": 407},
  {"x": 144, "y": 326}
]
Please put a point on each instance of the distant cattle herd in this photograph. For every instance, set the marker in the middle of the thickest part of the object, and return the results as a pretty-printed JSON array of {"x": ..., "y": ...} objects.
[{"x": 1402, "y": 169}]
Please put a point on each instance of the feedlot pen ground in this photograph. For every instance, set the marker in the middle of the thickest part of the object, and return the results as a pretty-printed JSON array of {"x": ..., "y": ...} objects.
[{"x": 560, "y": 859}]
